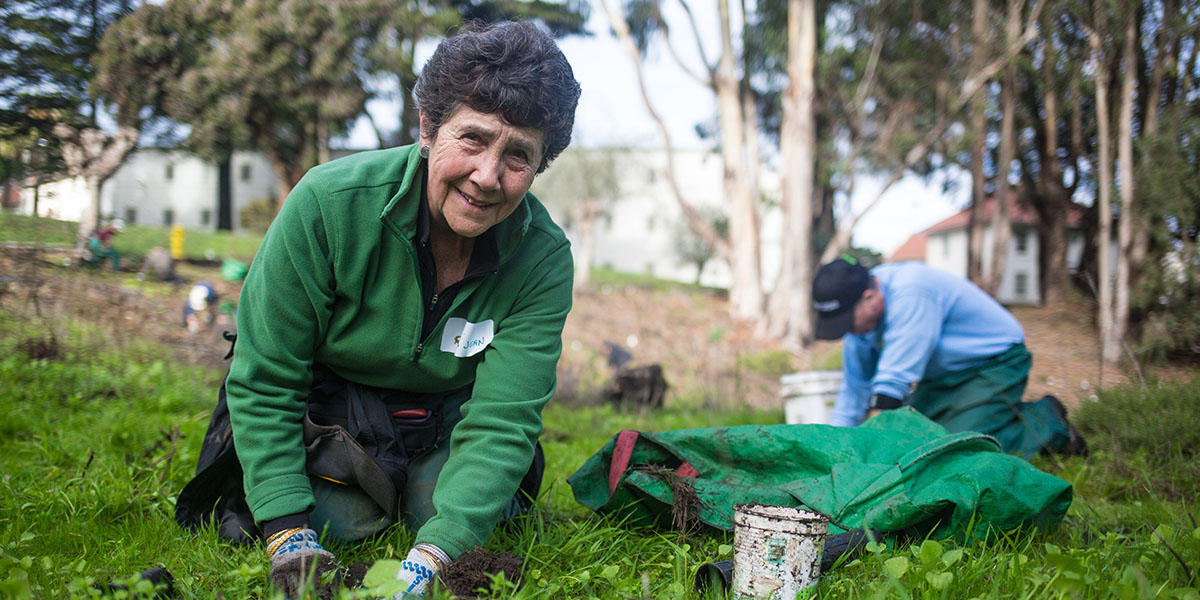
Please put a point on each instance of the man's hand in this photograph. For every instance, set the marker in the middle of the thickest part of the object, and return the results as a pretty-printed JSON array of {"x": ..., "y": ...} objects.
[
  {"x": 419, "y": 569},
  {"x": 880, "y": 403},
  {"x": 298, "y": 561}
]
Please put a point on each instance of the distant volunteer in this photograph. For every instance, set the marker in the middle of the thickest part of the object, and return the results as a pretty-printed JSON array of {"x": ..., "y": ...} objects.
[
  {"x": 198, "y": 309},
  {"x": 407, "y": 306},
  {"x": 920, "y": 337}
]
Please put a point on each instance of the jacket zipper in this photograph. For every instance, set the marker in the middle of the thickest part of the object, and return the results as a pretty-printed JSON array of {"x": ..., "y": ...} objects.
[{"x": 433, "y": 300}]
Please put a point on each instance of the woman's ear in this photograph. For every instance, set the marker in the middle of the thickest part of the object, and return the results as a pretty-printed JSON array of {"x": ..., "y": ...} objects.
[{"x": 422, "y": 128}]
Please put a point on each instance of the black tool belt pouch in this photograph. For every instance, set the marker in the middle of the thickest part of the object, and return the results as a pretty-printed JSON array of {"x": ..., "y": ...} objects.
[
  {"x": 350, "y": 437},
  {"x": 381, "y": 425}
]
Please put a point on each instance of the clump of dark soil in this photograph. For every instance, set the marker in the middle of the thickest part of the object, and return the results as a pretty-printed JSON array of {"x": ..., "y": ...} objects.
[
  {"x": 474, "y": 571},
  {"x": 353, "y": 578},
  {"x": 41, "y": 348}
]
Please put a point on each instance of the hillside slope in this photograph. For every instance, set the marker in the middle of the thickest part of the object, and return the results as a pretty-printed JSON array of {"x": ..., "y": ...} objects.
[{"x": 706, "y": 356}]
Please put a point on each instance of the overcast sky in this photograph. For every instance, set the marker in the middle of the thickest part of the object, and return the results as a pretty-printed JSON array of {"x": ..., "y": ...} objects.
[{"x": 611, "y": 112}]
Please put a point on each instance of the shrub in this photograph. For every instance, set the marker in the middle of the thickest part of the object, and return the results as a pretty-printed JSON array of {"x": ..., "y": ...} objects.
[
  {"x": 767, "y": 362},
  {"x": 258, "y": 214},
  {"x": 1153, "y": 436}
]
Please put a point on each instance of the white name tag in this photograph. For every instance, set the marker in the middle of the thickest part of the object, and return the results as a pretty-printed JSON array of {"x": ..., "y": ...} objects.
[{"x": 463, "y": 338}]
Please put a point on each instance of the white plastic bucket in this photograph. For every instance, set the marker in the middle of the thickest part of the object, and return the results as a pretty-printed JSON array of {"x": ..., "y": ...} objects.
[
  {"x": 808, "y": 396},
  {"x": 776, "y": 551}
]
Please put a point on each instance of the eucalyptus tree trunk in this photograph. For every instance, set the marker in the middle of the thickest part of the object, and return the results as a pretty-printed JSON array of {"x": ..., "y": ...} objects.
[
  {"x": 979, "y": 124},
  {"x": 1052, "y": 196},
  {"x": 745, "y": 292},
  {"x": 1109, "y": 342},
  {"x": 1129, "y": 76},
  {"x": 1167, "y": 47},
  {"x": 584, "y": 215},
  {"x": 791, "y": 303},
  {"x": 1001, "y": 223}
]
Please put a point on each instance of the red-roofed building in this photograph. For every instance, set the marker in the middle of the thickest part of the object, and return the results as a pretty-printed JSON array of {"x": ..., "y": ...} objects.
[
  {"x": 944, "y": 245},
  {"x": 913, "y": 249}
]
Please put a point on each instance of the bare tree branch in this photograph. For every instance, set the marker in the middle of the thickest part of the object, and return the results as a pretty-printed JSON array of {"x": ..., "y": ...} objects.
[
  {"x": 708, "y": 64},
  {"x": 694, "y": 219}
]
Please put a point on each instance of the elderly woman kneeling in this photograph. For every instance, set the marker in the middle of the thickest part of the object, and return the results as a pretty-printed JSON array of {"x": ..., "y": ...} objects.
[{"x": 399, "y": 328}]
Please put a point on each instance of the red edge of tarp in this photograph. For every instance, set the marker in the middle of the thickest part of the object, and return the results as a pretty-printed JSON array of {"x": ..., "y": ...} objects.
[{"x": 623, "y": 451}]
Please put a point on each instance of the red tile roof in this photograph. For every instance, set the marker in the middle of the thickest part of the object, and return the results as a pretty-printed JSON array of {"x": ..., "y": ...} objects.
[
  {"x": 913, "y": 249},
  {"x": 1019, "y": 213}
]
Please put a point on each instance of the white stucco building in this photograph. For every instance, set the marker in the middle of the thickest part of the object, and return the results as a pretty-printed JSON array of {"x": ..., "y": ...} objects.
[
  {"x": 944, "y": 246},
  {"x": 162, "y": 187},
  {"x": 637, "y": 234}
]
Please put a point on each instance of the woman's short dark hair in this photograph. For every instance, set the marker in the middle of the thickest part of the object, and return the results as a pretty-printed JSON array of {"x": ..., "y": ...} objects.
[{"x": 512, "y": 69}]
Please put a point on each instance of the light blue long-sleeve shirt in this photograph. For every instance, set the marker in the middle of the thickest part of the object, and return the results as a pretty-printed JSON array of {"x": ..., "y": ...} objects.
[{"x": 934, "y": 323}]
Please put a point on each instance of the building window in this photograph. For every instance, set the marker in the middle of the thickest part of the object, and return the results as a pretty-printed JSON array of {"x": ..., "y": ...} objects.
[
  {"x": 946, "y": 246},
  {"x": 1022, "y": 242},
  {"x": 169, "y": 173},
  {"x": 206, "y": 217},
  {"x": 245, "y": 172},
  {"x": 168, "y": 216},
  {"x": 1021, "y": 285},
  {"x": 130, "y": 216}
]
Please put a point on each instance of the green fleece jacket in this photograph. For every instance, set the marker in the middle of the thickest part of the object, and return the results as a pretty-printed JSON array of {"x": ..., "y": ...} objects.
[{"x": 336, "y": 282}]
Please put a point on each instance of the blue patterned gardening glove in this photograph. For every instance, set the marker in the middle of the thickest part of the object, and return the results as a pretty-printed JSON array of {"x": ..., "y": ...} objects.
[
  {"x": 419, "y": 570},
  {"x": 298, "y": 561}
]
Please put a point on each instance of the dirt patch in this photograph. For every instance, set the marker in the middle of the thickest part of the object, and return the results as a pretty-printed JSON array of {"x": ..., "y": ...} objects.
[
  {"x": 475, "y": 570},
  {"x": 1066, "y": 352},
  {"x": 47, "y": 293},
  {"x": 690, "y": 334}
]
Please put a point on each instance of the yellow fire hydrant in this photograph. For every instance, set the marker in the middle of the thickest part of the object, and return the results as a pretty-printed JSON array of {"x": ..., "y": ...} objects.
[{"x": 177, "y": 241}]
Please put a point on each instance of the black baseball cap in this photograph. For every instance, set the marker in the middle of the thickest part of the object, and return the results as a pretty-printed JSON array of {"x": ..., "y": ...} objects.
[{"x": 836, "y": 289}]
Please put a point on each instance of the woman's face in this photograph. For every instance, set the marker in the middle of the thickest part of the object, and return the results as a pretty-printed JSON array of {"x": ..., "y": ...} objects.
[{"x": 479, "y": 170}]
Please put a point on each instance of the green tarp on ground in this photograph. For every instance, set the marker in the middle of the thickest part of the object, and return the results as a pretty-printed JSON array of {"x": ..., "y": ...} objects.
[{"x": 897, "y": 473}]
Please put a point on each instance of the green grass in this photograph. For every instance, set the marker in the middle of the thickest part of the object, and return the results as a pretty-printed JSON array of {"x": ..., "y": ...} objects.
[
  {"x": 135, "y": 241},
  {"x": 96, "y": 441},
  {"x": 22, "y": 228},
  {"x": 603, "y": 276}
]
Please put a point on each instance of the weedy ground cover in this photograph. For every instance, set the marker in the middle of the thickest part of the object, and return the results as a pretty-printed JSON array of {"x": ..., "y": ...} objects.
[{"x": 96, "y": 440}]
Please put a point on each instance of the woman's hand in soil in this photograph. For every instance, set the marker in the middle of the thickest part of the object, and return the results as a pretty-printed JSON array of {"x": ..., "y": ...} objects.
[
  {"x": 419, "y": 569},
  {"x": 298, "y": 561}
]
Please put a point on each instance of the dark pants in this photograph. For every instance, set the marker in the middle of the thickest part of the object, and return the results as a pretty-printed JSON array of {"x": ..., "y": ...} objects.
[{"x": 987, "y": 399}]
